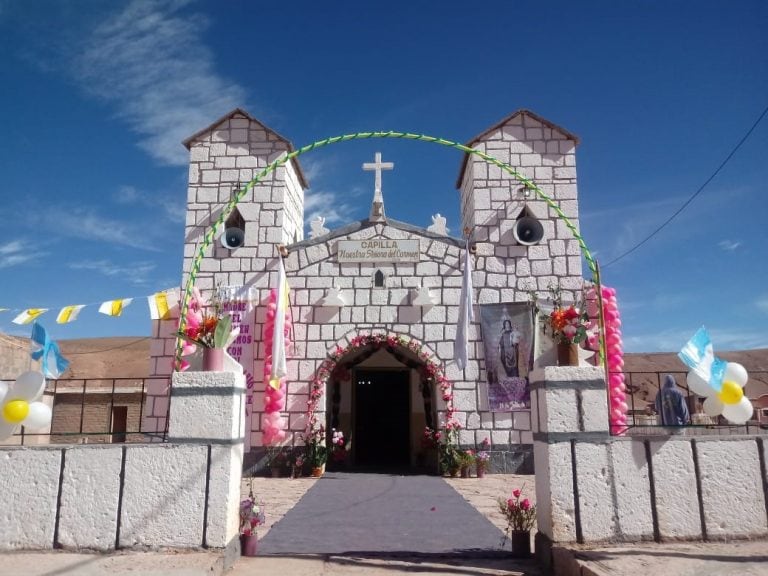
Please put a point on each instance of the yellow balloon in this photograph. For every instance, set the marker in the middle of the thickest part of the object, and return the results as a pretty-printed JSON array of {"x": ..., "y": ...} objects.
[
  {"x": 731, "y": 393},
  {"x": 15, "y": 411}
]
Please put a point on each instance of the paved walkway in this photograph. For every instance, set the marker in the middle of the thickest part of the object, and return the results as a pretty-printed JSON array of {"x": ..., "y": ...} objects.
[{"x": 346, "y": 513}]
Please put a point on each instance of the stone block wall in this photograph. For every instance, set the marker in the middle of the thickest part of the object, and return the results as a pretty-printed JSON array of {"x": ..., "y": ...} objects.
[
  {"x": 492, "y": 199},
  {"x": 593, "y": 487},
  {"x": 181, "y": 494},
  {"x": 237, "y": 146}
]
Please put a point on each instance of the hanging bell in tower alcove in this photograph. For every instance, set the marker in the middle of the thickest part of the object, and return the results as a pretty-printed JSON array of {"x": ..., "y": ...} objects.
[{"x": 527, "y": 230}]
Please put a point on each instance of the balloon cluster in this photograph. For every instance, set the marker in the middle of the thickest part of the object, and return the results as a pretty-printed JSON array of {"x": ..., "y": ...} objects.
[
  {"x": 721, "y": 383},
  {"x": 729, "y": 401},
  {"x": 19, "y": 405},
  {"x": 614, "y": 349},
  {"x": 273, "y": 423}
]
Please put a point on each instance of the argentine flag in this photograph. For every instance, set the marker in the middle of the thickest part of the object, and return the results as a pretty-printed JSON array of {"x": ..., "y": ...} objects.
[{"x": 699, "y": 355}]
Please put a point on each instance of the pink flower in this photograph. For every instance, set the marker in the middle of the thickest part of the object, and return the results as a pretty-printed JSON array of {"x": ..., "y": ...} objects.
[
  {"x": 516, "y": 493},
  {"x": 511, "y": 503},
  {"x": 525, "y": 504}
]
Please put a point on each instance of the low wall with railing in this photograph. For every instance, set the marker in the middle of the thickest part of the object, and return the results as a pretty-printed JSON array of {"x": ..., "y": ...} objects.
[
  {"x": 183, "y": 493},
  {"x": 593, "y": 487}
]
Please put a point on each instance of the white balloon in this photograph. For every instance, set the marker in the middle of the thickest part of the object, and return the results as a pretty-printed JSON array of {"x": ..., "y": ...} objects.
[
  {"x": 6, "y": 429},
  {"x": 29, "y": 386},
  {"x": 698, "y": 385},
  {"x": 713, "y": 407},
  {"x": 740, "y": 412},
  {"x": 736, "y": 373},
  {"x": 39, "y": 416}
]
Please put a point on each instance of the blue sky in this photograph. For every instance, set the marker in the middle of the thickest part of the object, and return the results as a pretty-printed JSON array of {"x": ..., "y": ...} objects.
[{"x": 97, "y": 96}]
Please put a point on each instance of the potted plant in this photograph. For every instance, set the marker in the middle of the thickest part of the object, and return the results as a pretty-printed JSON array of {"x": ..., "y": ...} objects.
[
  {"x": 275, "y": 461},
  {"x": 208, "y": 326},
  {"x": 339, "y": 448},
  {"x": 450, "y": 460},
  {"x": 297, "y": 464},
  {"x": 482, "y": 458},
  {"x": 251, "y": 516},
  {"x": 316, "y": 450},
  {"x": 466, "y": 459},
  {"x": 569, "y": 324},
  {"x": 521, "y": 516},
  {"x": 430, "y": 443}
]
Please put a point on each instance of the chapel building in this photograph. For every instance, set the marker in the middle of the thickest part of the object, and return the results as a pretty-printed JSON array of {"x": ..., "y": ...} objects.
[{"x": 385, "y": 277}]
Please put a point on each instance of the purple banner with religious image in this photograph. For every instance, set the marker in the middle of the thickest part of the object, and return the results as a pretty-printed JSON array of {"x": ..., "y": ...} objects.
[{"x": 508, "y": 339}]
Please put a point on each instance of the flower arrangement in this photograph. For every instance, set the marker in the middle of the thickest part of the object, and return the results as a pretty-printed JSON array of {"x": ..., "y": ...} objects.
[
  {"x": 569, "y": 323},
  {"x": 206, "y": 323},
  {"x": 297, "y": 464},
  {"x": 339, "y": 446},
  {"x": 431, "y": 438},
  {"x": 251, "y": 515},
  {"x": 482, "y": 456},
  {"x": 315, "y": 449},
  {"x": 520, "y": 515}
]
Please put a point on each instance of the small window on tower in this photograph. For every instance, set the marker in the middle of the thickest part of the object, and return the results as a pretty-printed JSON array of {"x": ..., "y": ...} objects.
[{"x": 378, "y": 279}]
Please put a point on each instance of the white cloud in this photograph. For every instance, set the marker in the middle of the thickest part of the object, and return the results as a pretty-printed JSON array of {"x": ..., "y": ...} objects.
[
  {"x": 328, "y": 205},
  {"x": 149, "y": 62},
  {"x": 173, "y": 209},
  {"x": 89, "y": 225},
  {"x": 729, "y": 245},
  {"x": 10, "y": 248},
  {"x": 762, "y": 304},
  {"x": 136, "y": 273},
  {"x": 17, "y": 252}
]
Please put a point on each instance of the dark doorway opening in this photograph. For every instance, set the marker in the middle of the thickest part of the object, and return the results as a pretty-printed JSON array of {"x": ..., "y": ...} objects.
[
  {"x": 382, "y": 419},
  {"x": 119, "y": 423}
]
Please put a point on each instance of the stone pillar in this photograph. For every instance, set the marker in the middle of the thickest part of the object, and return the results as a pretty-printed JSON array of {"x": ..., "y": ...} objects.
[
  {"x": 568, "y": 404},
  {"x": 208, "y": 408}
]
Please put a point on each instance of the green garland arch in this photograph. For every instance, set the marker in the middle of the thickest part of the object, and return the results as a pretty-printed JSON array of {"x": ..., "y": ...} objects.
[{"x": 283, "y": 160}]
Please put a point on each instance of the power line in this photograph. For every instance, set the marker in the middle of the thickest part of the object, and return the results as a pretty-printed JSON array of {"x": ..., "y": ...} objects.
[
  {"x": 8, "y": 342},
  {"x": 691, "y": 199}
]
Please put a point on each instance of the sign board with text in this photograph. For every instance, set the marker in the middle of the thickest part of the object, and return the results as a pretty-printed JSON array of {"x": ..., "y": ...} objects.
[{"x": 378, "y": 250}]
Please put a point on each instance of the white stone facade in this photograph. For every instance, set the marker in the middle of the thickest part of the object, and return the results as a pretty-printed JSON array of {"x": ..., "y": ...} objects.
[{"x": 233, "y": 150}]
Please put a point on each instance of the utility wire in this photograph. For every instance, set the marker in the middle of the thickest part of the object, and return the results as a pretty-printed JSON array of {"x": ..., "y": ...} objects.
[
  {"x": 691, "y": 199},
  {"x": 8, "y": 342}
]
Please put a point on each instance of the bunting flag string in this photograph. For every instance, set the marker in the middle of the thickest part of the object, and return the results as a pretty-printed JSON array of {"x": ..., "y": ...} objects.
[
  {"x": 161, "y": 305},
  {"x": 28, "y": 316},
  {"x": 69, "y": 313},
  {"x": 115, "y": 307}
]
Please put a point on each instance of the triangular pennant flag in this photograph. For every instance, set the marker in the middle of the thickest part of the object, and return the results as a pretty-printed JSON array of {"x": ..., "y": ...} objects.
[
  {"x": 69, "y": 314},
  {"x": 160, "y": 305},
  {"x": 466, "y": 314},
  {"x": 279, "y": 366},
  {"x": 115, "y": 307},
  {"x": 29, "y": 315}
]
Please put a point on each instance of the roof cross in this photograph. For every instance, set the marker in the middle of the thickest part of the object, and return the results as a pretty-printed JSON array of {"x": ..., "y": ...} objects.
[{"x": 377, "y": 209}]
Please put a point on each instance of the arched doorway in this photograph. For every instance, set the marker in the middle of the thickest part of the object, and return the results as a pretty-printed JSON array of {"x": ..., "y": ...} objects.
[{"x": 381, "y": 397}]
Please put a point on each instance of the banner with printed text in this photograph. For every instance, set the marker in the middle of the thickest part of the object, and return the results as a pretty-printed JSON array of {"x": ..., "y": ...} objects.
[
  {"x": 240, "y": 302},
  {"x": 508, "y": 340}
]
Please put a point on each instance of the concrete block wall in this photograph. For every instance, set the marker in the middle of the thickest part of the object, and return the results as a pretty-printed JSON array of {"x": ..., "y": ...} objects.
[
  {"x": 592, "y": 487},
  {"x": 159, "y": 502},
  {"x": 183, "y": 494}
]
